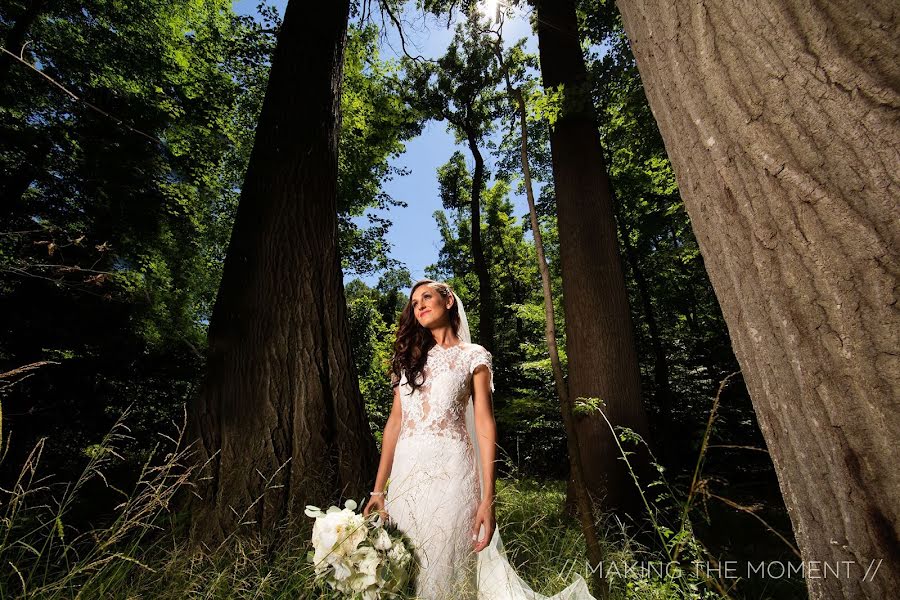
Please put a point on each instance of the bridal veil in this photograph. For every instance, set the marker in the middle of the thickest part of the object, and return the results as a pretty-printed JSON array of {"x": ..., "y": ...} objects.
[{"x": 497, "y": 580}]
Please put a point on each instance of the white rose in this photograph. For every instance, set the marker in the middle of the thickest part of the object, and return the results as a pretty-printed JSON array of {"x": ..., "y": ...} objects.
[
  {"x": 382, "y": 540},
  {"x": 337, "y": 533}
]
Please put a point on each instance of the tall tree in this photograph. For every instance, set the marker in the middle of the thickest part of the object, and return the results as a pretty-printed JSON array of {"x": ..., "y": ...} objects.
[
  {"x": 461, "y": 88},
  {"x": 511, "y": 66},
  {"x": 780, "y": 119},
  {"x": 600, "y": 345},
  {"x": 280, "y": 417}
]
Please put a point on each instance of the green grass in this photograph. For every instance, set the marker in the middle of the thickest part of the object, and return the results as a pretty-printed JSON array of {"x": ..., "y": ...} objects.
[{"x": 138, "y": 552}]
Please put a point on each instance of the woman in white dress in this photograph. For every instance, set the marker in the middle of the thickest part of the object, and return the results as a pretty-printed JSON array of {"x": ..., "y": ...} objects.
[{"x": 438, "y": 450}]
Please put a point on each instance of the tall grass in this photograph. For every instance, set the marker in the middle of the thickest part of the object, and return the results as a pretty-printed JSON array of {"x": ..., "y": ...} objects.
[
  {"x": 670, "y": 516},
  {"x": 139, "y": 551},
  {"x": 44, "y": 556}
]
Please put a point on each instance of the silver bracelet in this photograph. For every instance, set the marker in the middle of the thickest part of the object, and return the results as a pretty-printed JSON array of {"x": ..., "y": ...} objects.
[{"x": 376, "y": 493}]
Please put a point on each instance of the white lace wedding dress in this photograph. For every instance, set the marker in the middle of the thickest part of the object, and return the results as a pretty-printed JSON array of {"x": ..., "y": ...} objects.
[{"x": 435, "y": 487}]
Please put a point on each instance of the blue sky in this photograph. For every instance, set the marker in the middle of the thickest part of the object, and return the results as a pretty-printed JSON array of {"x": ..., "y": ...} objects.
[{"x": 414, "y": 236}]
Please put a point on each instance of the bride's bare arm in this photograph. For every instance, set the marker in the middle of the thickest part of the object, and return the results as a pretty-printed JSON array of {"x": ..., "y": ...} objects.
[
  {"x": 486, "y": 430},
  {"x": 388, "y": 444},
  {"x": 485, "y": 427}
]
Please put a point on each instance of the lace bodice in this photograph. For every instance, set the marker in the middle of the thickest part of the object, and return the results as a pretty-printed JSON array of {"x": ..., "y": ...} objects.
[{"x": 438, "y": 407}]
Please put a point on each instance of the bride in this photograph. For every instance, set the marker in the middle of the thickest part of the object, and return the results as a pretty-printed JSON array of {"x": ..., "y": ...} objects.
[{"x": 438, "y": 449}]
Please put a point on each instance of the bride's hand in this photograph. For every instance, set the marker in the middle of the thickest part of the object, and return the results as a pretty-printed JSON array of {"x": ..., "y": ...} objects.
[
  {"x": 484, "y": 516},
  {"x": 376, "y": 503}
]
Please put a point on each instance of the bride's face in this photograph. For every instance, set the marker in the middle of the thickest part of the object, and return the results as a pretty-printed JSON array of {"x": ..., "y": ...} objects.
[{"x": 430, "y": 307}]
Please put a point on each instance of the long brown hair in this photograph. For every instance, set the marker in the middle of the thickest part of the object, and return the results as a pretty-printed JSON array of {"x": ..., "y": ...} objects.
[{"x": 414, "y": 341}]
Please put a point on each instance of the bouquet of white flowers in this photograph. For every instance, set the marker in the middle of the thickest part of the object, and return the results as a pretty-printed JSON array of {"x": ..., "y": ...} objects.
[{"x": 356, "y": 555}]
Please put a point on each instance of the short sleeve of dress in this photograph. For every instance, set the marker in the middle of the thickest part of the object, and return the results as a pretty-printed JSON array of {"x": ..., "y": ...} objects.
[{"x": 480, "y": 356}]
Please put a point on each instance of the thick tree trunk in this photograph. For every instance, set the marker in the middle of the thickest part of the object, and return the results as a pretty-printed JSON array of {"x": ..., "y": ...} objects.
[
  {"x": 780, "y": 119},
  {"x": 280, "y": 416},
  {"x": 599, "y": 339}
]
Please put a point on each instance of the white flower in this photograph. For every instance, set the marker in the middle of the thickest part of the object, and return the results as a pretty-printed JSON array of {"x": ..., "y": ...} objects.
[
  {"x": 398, "y": 552},
  {"x": 337, "y": 534},
  {"x": 368, "y": 561},
  {"x": 352, "y": 531},
  {"x": 382, "y": 540},
  {"x": 362, "y": 582},
  {"x": 324, "y": 537},
  {"x": 342, "y": 569}
]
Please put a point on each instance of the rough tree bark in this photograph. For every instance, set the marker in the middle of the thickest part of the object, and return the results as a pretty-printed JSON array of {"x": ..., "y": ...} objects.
[
  {"x": 781, "y": 120},
  {"x": 599, "y": 339},
  {"x": 280, "y": 415}
]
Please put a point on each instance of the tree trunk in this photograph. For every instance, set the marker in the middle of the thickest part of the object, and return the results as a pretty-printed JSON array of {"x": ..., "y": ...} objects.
[
  {"x": 595, "y": 550},
  {"x": 780, "y": 119},
  {"x": 485, "y": 299},
  {"x": 596, "y": 553},
  {"x": 663, "y": 393},
  {"x": 599, "y": 340},
  {"x": 280, "y": 415}
]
